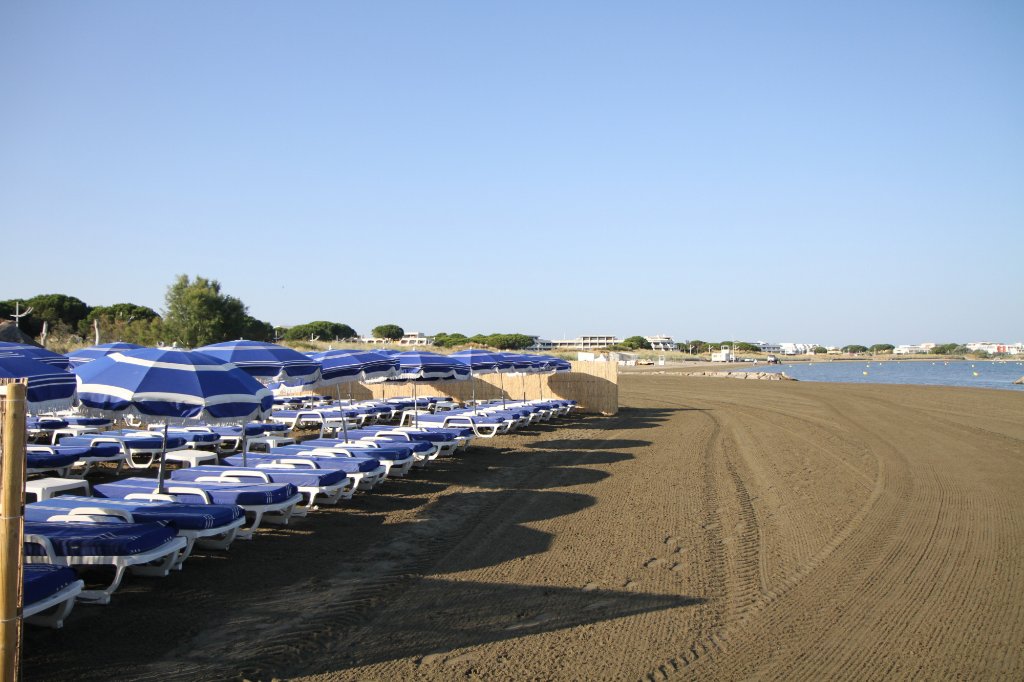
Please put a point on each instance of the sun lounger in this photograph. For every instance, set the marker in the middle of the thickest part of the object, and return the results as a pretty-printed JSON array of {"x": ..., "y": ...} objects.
[
  {"x": 397, "y": 457},
  {"x": 446, "y": 443},
  {"x": 141, "y": 448},
  {"x": 231, "y": 436},
  {"x": 87, "y": 454},
  {"x": 274, "y": 501},
  {"x": 48, "y": 593},
  {"x": 329, "y": 484},
  {"x": 147, "y": 549},
  {"x": 364, "y": 471},
  {"x": 211, "y": 526},
  {"x": 45, "y": 458},
  {"x": 482, "y": 425}
]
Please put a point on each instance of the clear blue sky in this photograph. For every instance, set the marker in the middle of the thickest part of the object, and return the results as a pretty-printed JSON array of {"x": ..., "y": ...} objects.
[{"x": 849, "y": 173}]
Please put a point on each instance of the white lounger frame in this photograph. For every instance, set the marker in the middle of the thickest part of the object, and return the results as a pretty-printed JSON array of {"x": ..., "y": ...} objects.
[
  {"x": 155, "y": 563},
  {"x": 51, "y": 611},
  {"x": 277, "y": 513}
]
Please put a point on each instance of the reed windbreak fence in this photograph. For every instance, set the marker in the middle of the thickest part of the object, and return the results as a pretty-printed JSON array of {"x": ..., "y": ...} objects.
[{"x": 594, "y": 385}]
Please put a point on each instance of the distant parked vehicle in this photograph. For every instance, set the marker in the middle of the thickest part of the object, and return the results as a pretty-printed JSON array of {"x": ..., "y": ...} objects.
[{"x": 772, "y": 360}]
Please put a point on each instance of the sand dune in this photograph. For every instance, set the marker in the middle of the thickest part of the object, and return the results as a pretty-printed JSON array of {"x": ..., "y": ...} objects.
[{"x": 712, "y": 530}]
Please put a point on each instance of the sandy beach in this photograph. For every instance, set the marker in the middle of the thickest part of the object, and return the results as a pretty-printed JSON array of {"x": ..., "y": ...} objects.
[{"x": 714, "y": 529}]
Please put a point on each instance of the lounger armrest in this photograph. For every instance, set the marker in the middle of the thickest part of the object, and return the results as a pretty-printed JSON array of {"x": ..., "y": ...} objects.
[
  {"x": 108, "y": 439},
  {"x": 44, "y": 542},
  {"x": 329, "y": 452},
  {"x": 151, "y": 497},
  {"x": 42, "y": 448},
  {"x": 234, "y": 477},
  {"x": 295, "y": 463},
  {"x": 392, "y": 434},
  {"x": 186, "y": 490},
  {"x": 98, "y": 514}
]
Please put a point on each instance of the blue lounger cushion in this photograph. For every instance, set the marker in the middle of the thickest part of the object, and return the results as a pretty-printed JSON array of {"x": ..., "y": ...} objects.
[
  {"x": 382, "y": 432},
  {"x": 410, "y": 446},
  {"x": 183, "y": 515},
  {"x": 84, "y": 451},
  {"x": 33, "y": 423},
  {"x": 99, "y": 539},
  {"x": 153, "y": 442},
  {"x": 244, "y": 494},
  {"x": 43, "y": 459},
  {"x": 191, "y": 436},
  {"x": 353, "y": 465},
  {"x": 40, "y": 581},
  {"x": 308, "y": 478},
  {"x": 252, "y": 429},
  {"x": 395, "y": 454},
  {"x": 87, "y": 421}
]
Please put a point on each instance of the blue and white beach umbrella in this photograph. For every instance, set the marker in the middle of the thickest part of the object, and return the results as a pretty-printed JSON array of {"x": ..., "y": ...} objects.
[
  {"x": 84, "y": 355},
  {"x": 170, "y": 386},
  {"x": 49, "y": 388},
  {"x": 268, "y": 362},
  {"x": 520, "y": 363},
  {"x": 167, "y": 385},
  {"x": 348, "y": 366},
  {"x": 36, "y": 353},
  {"x": 423, "y": 366},
  {"x": 558, "y": 364},
  {"x": 484, "y": 362}
]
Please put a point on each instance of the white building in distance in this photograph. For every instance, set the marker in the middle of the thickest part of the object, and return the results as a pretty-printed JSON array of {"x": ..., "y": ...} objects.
[
  {"x": 410, "y": 339},
  {"x": 661, "y": 342},
  {"x": 994, "y": 348},
  {"x": 913, "y": 349}
]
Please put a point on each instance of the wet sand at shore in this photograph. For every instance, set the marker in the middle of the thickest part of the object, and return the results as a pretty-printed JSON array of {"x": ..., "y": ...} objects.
[{"x": 714, "y": 529}]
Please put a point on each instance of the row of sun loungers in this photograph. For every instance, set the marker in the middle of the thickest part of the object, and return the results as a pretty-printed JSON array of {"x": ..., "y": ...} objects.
[{"x": 133, "y": 525}]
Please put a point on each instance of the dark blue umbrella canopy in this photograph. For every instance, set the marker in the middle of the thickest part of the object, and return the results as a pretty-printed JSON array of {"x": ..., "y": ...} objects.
[
  {"x": 521, "y": 363},
  {"x": 558, "y": 364},
  {"x": 425, "y": 366},
  {"x": 84, "y": 355},
  {"x": 345, "y": 366},
  {"x": 36, "y": 353},
  {"x": 168, "y": 385},
  {"x": 49, "y": 388},
  {"x": 267, "y": 362},
  {"x": 482, "y": 361}
]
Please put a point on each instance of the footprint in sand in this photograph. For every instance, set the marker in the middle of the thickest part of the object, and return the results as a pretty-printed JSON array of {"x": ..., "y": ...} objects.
[
  {"x": 677, "y": 567},
  {"x": 589, "y": 587},
  {"x": 464, "y": 658},
  {"x": 430, "y": 659},
  {"x": 671, "y": 540},
  {"x": 631, "y": 585},
  {"x": 653, "y": 562}
]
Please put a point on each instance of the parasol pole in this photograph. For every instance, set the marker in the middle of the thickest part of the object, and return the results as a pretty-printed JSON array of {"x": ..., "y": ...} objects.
[
  {"x": 344, "y": 421},
  {"x": 244, "y": 444},
  {"x": 161, "y": 470},
  {"x": 472, "y": 380}
]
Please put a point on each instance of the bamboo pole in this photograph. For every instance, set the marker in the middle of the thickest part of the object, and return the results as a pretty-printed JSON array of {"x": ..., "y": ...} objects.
[{"x": 12, "y": 506}]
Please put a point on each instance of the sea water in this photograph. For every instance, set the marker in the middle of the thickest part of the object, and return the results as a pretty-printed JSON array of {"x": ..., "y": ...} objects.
[{"x": 975, "y": 373}]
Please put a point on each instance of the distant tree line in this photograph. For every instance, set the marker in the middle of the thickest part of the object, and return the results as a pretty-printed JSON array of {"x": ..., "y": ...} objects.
[
  {"x": 496, "y": 341},
  {"x": 197, "y": 313}
]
